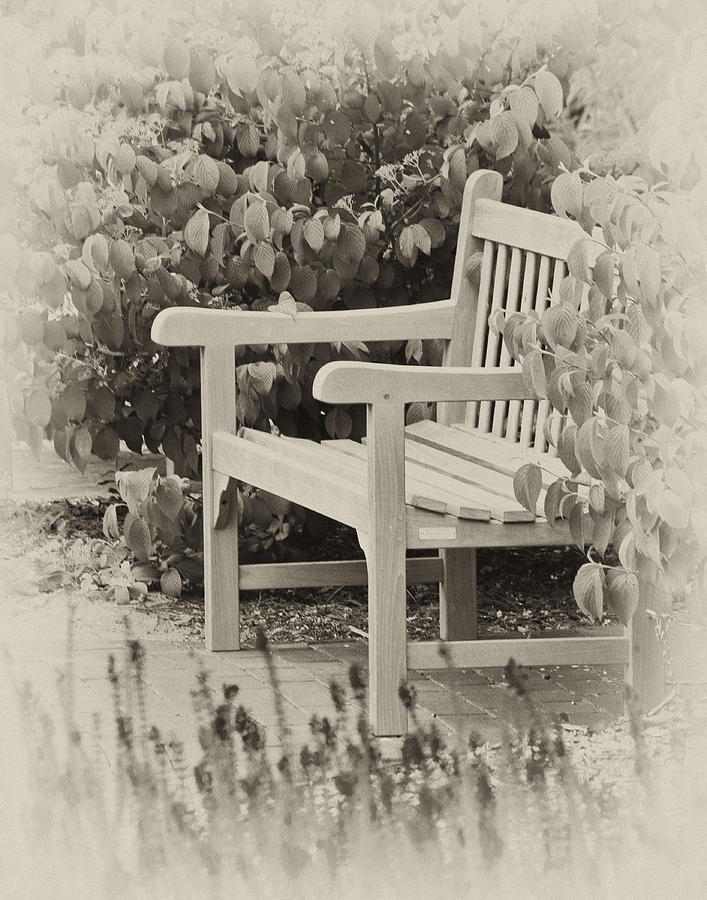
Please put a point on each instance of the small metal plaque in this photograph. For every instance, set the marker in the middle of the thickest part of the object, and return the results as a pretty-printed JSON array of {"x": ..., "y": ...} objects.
[{"x": 437, "y": 534}]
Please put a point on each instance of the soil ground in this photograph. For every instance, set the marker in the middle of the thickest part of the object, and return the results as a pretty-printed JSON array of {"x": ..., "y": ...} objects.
[{"x": 519, "y": 590}]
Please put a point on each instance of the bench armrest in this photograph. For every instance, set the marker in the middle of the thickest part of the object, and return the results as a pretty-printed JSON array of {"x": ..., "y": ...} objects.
[
  {"x": 192, "y": 327},
  {"x": 356, "y": 382}
]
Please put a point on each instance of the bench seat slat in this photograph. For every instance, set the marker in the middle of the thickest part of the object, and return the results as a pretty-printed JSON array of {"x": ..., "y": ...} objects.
[
  {"x": 466, "y": 471},
  {"x": 296, "y": 476},
  {"x": 419, "y": 485},
  {"x": 485, "y": 449},
  {"x": 466, "y": 482}
]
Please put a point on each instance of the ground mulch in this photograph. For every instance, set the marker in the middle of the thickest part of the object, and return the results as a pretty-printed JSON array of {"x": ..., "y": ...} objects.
[{"x": 520, "y": 591}]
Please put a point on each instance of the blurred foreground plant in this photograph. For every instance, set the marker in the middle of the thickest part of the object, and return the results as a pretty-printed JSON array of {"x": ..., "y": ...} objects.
[{"x": 337, "y": 816}]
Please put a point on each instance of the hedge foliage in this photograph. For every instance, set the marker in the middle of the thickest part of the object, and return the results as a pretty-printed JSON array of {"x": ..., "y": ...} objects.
[{"x": 249, "y": 154}]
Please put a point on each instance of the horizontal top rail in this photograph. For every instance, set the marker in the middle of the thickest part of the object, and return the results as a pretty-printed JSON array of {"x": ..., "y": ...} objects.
[
  {"x": 193, "y": 327},
  {"x": 524, "y": 228}
]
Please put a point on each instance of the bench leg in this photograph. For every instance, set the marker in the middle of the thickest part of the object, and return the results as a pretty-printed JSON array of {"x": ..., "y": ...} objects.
[
  {"x": 218, "y": 412},
  {"x": 457, "y": 595},
  {"x": 385, "y": 549},
  {"x": 646, "y": 669},
  {"x": 387, "y": 657}
]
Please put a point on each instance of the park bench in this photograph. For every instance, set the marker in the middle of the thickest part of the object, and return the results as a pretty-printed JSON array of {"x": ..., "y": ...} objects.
[{"x": 445, "y": 485}]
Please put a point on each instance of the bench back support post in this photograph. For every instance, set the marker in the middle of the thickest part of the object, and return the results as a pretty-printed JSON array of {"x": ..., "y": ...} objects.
[{"x": 465, "y": 292}]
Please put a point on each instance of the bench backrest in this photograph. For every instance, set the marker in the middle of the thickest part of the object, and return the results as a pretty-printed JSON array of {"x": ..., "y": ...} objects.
[{"x": 524, "y": 258}]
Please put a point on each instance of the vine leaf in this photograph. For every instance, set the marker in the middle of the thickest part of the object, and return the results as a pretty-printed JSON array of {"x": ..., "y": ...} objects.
[
  {"x": 549, "y": 91},
  {"x": 196, "y": 232},
  {"x": 588, "y": 589},
  {"x": 622, "y": 594},
  {"x": 527, "y": 484}
]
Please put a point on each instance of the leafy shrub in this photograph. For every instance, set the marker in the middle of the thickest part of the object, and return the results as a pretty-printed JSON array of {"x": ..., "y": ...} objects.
[
  {"x": 622, "y": 349},
  {"x": 231, "y": 163}
]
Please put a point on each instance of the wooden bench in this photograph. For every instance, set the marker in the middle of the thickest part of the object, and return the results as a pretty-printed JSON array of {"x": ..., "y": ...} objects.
[{"x": 445, "y": 485}]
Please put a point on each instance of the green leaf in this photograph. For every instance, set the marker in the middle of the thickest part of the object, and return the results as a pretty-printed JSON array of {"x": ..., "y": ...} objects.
[
  {"x": 146, "y": 405},
  {"x": 559, "y": 324},
  {"x": 79, "y": 273},
  {"x": 196, "y": 232},
  {"x": 649, "y": 272},
  {"x": 286, "y": 304},
  {"x": 578, "y": 260},
  {"x": 262, "y": 376},
  {"x": 565, "y": 448},
  {"x": 549, "y": 91},
  {"x": 616, "y": 450},
  {"x": 242, "y": 75},
  {"x": 206, "y": 173},
  {"x": 134, "y": 487},
  {"x": 138, "y": 537},
  {"x": 602, "y": 531},
  {"x": 110, "y": 523},
  {"x": 527, "y": 484},
  {"x": 566, "y": 194},
  {"x": 588, "y": 589},
  {"x": 257, "y": 222},
  {"x": 673, "y": 509},
  {"x": 436, "y": 231},
  {"x": 407, "y": 241},
  {"x": 421, "y": 239},
  {"x": 534, "y": 371},
  {"x": 247, "y": 139},
  {"x": 313, "y": 230},
  {"x": 264, "y": 258},
  {"x": 38, "y": 407},
  {"x": 80, "y": 448},
  {"x": 524, "y": 104},
  {"x": 169, "y": 496},
  {"x": 338, "y": 423},
  {"x": 551, "y": 504},
  {"x": 577, "y": 526},
  {"x": 171, "y": 583},
  {"x": 589, "y": 447},
  {"x": 473, "y": 269},
  {"x": 202, "y": 73},
  {"x": 504, "y": 132},
  {"x": 581, "y": 404},
  {"x": 604, "y": 273},
  {"x": 597, "y": 497},
  {"x": 176, "y": 58},
  {"x": 622, "y": 594}
]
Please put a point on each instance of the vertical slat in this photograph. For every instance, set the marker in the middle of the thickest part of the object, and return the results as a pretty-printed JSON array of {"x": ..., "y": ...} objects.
[
  {"x": 529, "y": 406},
  {"x": 492, "y": 339},
  {"x": 559, "y": 420},
  {"x": 458, "y": 620},
  {"x": 558, "y": 273},
  {"x": 218, "y": 413},
  {"x": 481, "y": 323},
  {"x": 385, "y": 555},
  {"x": 512, "y": 301},
  {"x": 526, "y": 304},
  {"x": 465, "y": 294}
]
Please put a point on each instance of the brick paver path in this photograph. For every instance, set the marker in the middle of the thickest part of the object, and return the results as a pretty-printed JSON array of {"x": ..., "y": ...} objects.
[{"x": 461, "y": 701}]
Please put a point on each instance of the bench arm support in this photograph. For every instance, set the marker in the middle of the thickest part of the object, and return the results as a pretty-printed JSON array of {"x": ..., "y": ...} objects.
[{"x": 356, "y": 382}]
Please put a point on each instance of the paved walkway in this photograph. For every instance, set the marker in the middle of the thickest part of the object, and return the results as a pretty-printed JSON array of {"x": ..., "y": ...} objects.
[
  {"x": 461, "y": 701},
  {"x": 35, "y": 630}
]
